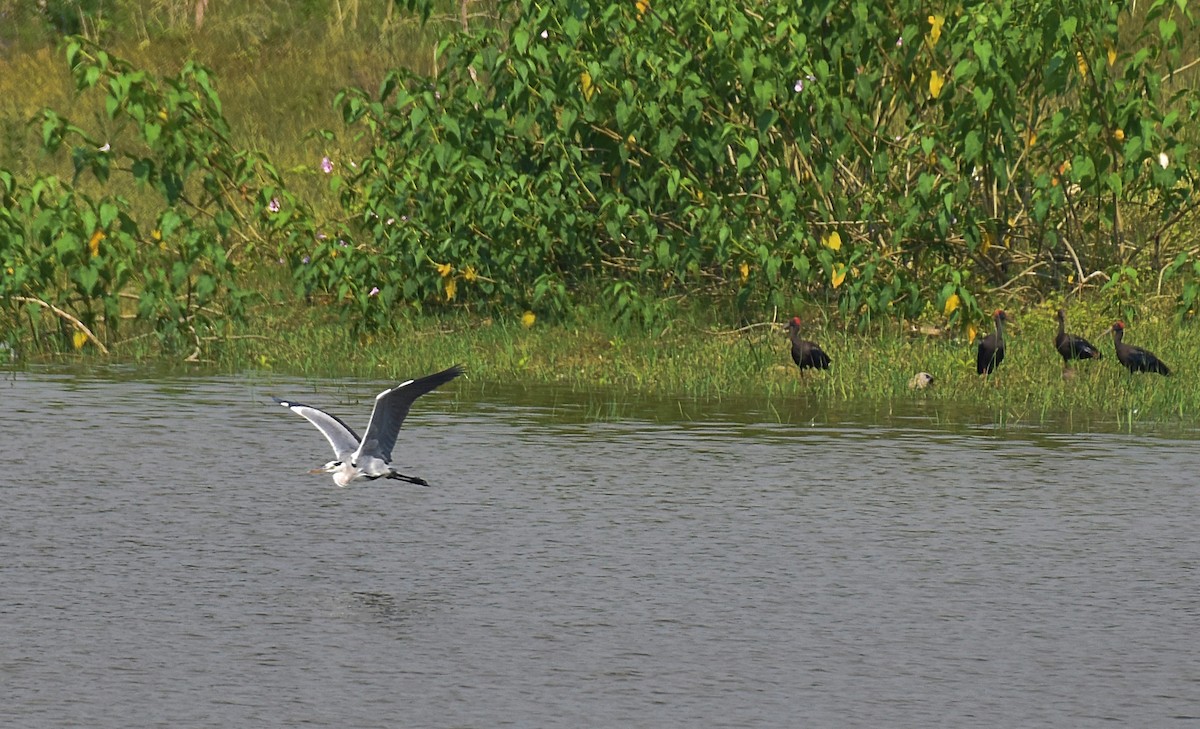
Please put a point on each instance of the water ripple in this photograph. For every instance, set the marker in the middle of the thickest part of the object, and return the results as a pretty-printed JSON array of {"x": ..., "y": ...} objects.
[{"x": 167, "y": 562}]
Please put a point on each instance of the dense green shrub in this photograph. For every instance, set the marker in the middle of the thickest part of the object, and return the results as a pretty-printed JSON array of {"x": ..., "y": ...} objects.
[
  {"x": 889, "y": 157},
  {"x": 892, "y": 160},
  {"x": 170, "y": 262}
]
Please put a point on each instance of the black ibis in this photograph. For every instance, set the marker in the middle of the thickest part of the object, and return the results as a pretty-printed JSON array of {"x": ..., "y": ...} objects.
[
  {"x": 1070, "y": 346},
  {"x": 1134, "y": 358},
  {"x": 805, "y": 353},
  {"x": 991, "y": 349}
]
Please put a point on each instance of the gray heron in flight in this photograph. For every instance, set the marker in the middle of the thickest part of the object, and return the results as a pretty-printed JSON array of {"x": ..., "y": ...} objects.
[{"x": 370, "y": 457}]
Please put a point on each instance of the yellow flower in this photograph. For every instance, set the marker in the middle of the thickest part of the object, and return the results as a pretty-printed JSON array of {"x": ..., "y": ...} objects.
[
  {"x": 744, "y": 269},
  {"x": 11, "y": 271},
  {"x": 1112, "y": 52},
  {"x": 585, "y": 82},
  {"x": 79, "y": 339},
  {"x": 935, "y": 28},
  {"x": 528, "y": 319},
  {"x": 444, "y": 269},
  {"x": 972, "y": 332},
  {"x": 642, "y": 6},
  {"x": 1030, "y": 138},
  {"x": 951, "y": 304},
  {"x": 833, "y": 241},
  {"x": 469, "y": 274},
  {"x": 1082, "y": 63},
  {"x": 839, "y": 275},
  {"x": 1119, "y": 135},
  {"x": 156, "y": 234},
  {"x": 94, "y": 243},
  {"x": 935, "y": 83},
  {"x": 451, "y": 289}
]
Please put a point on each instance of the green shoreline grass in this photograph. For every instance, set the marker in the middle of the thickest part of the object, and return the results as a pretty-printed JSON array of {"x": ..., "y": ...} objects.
[{"x": 692, "y": 361}]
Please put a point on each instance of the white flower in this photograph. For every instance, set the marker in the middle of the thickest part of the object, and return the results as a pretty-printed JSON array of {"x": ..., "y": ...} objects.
[
  {"x": 545, "y": 34},
  {"x": 105, "y": 148},
  {"x": 1163, "y": 160},
  {"x": 799, "y": 85}
]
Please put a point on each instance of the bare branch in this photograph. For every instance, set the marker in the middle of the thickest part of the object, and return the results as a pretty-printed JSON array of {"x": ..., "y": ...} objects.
[{"x": 79, "y": 326}]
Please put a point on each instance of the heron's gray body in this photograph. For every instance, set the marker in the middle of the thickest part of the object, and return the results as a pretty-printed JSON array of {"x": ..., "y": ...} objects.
[{"x": 370, "y": 457}]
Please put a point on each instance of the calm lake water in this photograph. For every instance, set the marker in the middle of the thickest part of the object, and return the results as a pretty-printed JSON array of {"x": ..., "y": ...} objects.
[{"x": 165, "y": 561}]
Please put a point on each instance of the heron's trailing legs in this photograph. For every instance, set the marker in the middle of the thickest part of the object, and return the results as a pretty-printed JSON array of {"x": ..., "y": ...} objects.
[{"x": 411, "y": 479}]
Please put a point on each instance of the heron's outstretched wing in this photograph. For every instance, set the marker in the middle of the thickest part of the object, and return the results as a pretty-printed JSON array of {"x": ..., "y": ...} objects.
[
  {"x": 391, "y": 407},
  {"x": 339, "y": 435}
]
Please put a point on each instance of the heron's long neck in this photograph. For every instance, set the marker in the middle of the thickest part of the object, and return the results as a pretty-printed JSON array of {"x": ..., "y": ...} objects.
[
  {"x": 999, "y": 329},
  {"x": 1062, "y": 320}
]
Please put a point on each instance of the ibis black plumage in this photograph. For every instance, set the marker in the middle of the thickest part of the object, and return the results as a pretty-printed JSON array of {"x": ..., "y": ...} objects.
[
  {"x": 1134, "y": 358},
  {"x": 1070, "y": 346},
  {"x": 991, "y": 347},
  {"x": 805, "y": 354}
]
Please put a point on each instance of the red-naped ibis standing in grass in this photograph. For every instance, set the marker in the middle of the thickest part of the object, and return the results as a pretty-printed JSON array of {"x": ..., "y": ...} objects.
[
  {"x": 1070, "y": 346},
  {"x": 1134, "y": 358},
  {"x": 991, "y": 349},
  {"x": 805, "y": 354}
]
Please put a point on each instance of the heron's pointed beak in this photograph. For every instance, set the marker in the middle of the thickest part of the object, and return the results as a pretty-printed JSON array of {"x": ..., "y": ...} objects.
[{"x": 318, "y": 470}]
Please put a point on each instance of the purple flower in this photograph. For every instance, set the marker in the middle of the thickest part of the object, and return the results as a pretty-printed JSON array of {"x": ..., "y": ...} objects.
[
  {"x": 306, "y": 259},
  {"x": 326, "y": 165},
  {"x": 273, "y": 206},
  {"x": 343, "y": 243},
  {"x": 374, "y": 290}
]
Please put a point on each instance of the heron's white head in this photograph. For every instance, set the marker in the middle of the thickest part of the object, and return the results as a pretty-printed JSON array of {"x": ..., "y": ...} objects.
[
  {"x": 328, "y": 467},
  {"x": 343, "y": 473}
]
